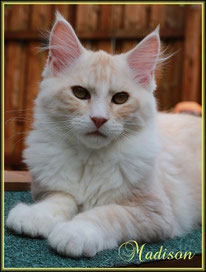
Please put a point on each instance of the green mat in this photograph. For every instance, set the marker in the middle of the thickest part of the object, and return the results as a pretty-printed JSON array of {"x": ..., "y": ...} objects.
[{"x": 32, "y": 253}]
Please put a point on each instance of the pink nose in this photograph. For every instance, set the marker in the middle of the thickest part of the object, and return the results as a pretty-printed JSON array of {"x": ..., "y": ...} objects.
[{"x": 98, "y": 121}]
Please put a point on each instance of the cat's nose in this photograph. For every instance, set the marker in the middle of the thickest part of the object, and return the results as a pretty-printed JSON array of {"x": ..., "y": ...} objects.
[{"x": 98, "y": 121}]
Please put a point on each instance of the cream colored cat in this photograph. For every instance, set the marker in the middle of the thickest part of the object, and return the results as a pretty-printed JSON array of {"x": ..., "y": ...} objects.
[{"x": 106, "y": 167}]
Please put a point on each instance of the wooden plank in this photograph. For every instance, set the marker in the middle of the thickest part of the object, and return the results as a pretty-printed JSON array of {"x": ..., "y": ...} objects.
[
  {"x": 135, "y": 17},
  {"x": 94, "y": 17},
  {"x": 19, "y": 17},
  {"x": 20, "y": 121},
  {"x": 118, "y": 47},
  {"x": 82, "y": 18},
  {"x": 104, "y": 45},
  {"x": 34, "y": 70},
  {"x": 41, "y": 17},
  {"x": 14, "y": 82},
  {"x": 14, "y": 97},
  {"x": 14, "y": 101},
  {"x": 35, "y": 65},
  {"x": 157, "y": 16},
  {"x": 117, "y": 18},
  {"x": 164, "y": 78},
  {"x": 191, "y": 86},
  {"x": 87, "y": 18},
  {"x": 123, "y": 34},
  {"x": 177, "y": 73},
  {"x": 106, "y": 18},
  {"x": 85, "y": 44},
  {"x": 174, "y": 16},
  {"x": 166, "y": 83},
  {"x": 17, "y": 180},
  {"x": 9, "y": 115},
  {"x": 7, "y": 16},
  {"x": 169, "y": 78},
  {"x": 128, "y": 45}
]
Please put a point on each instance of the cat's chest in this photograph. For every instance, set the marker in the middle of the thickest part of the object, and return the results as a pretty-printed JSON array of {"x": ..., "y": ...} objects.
[
  {"x": 91, "y": 180},
  {"x": 92, "y": 183}
]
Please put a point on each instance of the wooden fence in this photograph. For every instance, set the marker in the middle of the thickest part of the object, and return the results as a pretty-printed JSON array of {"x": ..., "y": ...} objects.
[{"x": 113, "y": 28}]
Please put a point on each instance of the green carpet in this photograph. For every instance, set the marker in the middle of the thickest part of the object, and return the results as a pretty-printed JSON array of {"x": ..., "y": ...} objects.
[{"x": 27, "y": 252}]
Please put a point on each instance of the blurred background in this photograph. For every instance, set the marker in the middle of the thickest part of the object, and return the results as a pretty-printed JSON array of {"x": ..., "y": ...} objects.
[{"x": 113, "y": 28}]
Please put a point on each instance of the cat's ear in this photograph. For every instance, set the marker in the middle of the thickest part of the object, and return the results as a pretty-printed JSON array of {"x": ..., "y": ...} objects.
[
  {"x": 64, "y": 46},
  {"x": 143, "y": 58}
]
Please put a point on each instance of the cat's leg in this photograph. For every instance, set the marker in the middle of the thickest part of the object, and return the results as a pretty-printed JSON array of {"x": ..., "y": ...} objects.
[
  {"x": 106, "y": 227},
  {"x": 38, "y": 219}
]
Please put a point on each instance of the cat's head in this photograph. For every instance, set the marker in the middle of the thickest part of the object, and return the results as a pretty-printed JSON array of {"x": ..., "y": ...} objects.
[{"x": 96, "y": 97}]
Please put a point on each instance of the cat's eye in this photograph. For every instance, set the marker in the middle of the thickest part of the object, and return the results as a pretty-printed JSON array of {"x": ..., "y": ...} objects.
[
  {"x": 81, "y": 92},
  {"x": 120, "y": 98}
]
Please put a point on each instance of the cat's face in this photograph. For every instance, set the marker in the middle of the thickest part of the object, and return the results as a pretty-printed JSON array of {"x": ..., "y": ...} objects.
[{"x": 98, "y": 98}]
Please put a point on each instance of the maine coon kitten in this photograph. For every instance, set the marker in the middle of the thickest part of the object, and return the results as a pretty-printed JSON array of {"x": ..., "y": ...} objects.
[{"x": 106, "y": 167}]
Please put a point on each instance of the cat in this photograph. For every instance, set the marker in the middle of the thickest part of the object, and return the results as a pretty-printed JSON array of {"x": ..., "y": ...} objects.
[{"x": 106, "y": 166}]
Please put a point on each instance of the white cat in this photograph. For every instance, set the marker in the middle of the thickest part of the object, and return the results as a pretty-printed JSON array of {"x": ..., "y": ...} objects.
[{"x": 106, "y": 167}]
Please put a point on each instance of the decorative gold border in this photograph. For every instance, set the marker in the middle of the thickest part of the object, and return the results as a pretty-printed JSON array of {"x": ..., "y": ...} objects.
[{"x": 202, "y": 3}]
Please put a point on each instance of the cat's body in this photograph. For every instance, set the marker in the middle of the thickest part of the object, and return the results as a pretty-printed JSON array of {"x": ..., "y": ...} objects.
[
  {"x": 97, "y": 177},
  {"x": 138, "y": 176}
]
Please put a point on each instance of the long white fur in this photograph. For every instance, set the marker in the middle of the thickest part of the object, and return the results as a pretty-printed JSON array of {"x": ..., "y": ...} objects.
[{"x": 142, "y": 181}]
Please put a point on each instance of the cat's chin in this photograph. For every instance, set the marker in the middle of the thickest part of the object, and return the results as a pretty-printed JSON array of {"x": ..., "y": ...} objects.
[{"x": 95, "y": 140}]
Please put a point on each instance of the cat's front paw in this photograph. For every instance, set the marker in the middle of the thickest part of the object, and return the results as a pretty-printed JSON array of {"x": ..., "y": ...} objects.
[
  {"x": 78, "y": 238},
  {"x": 27, "y": 220}
]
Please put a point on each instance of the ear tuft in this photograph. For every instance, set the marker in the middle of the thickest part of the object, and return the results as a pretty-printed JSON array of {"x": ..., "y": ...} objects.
[
  {"x": 157, "y": 30},
  {"x": 64, "y": 46},
  {"x": 59, "y": 16},
  {"x": 143, "y": 58}
]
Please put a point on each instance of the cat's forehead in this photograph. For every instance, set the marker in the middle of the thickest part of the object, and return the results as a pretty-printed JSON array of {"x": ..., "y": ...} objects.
[
  {"x": 102, "y": 67},
  {"x": 100, "y": 71},
  {"x": 102, "y": 59}
]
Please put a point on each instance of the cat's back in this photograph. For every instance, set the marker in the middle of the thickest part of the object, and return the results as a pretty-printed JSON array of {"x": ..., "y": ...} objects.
[
  {"x": 182, "y": 129},
  {"x": 180, "y": 163},
  {"x": 181, "y": 137},
  {"x": 181, "y": 156}
]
